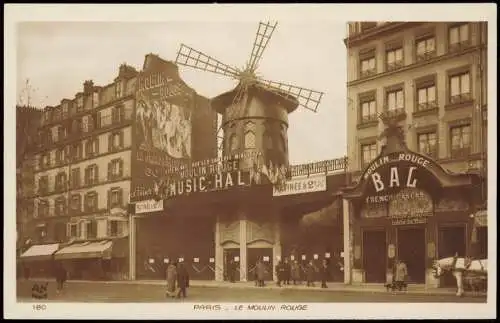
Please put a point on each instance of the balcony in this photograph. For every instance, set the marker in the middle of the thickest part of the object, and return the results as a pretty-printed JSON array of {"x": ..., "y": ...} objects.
[
  {"x": 367, "y": 121},
  {"x": 463, "y": 152},
  {"x": 426, "y": 55},
  {"x": 459, "y": 100},
  {"x": 367, "y": 73},
  {"x": 398, "y": 114},
  {"x": 395, "y": 65},
  {"x": 426, "y": 108},
  {"x": 456, "y": 47}
]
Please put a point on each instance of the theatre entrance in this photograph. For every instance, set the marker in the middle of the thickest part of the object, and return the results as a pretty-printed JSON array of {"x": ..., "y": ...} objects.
[
  {"x": 411, "y": 250},
  {"x": 263, "y": 254},
  {"x": 375, "y": 256},
  {"x": 451, "y": 241},
  {"x": 231, "y": 264}
]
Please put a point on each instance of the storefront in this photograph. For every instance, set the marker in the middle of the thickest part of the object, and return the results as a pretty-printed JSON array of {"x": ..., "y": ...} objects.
[
  {"x": 407, "y": 207},
  {"x": 37, "y": 261}
]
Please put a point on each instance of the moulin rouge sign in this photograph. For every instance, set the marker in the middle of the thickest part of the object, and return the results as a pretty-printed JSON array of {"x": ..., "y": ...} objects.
[{"x": 398, "y": 177}]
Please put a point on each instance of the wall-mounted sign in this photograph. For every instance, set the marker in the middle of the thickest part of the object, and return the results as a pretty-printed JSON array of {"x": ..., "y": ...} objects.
[
  {"x": 303, "y": 257},
  {"x": 151, "y": 261},
  {"x": 315, "y": 183},
  {"x": 431, "y": 250},
  {"x": 211, "y": 260},
  {"x": 321, "y": 167},
  {"x": 292, "y": 258},
  {"x": 148, "y": 206},
  {"x": 316, "y": 256},
  {"x": 196, "y": 260},
  {"x": 327, "y": 255},
  {"x": 357, "y": 252},
  {"x": 391, "y": 251},
  {"x": 166, "y": 260},
  {"x": 410, "y": 206},
  {"x": 236, "y": 258},
  {"x": 181, "y": 259},
  {"x": 266, "y": 258}
]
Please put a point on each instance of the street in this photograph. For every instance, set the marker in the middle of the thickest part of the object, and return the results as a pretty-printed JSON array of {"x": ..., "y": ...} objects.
[{"x": 96, "y": 292}]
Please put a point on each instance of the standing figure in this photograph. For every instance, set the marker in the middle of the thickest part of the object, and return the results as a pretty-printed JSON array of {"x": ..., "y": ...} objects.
[
  {"x": 230, "y": 270},
  {"x": 261, "y": 272},
  {"x": 287, "y": 271},
  {"x": 171, "y": 279},
  {"x": 324, "y": 273},
  {"x": 295, "y": 272},
  {"x": 311, "y": 271},
  {"x": 61, "y": 276},
  {"x": 400, "y": 274},
  {"x": 280, "y": 272},
  {"x": 182, "y": 280}
]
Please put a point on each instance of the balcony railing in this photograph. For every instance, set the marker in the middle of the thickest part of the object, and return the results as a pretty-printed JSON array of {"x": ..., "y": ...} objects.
[
  {"x": 460, "y": 152},
  {"x": 460, "y": 98},
  {"x": 426, "y": 55},
  {"x": 394, "y": 113},
  {"x": 368, "y": 118},
  {"x": 368, "y": 73},
  {"x": 456, "y": 47},
  {"x": 395, "y": 65},
  {"x": 426, "y": 106}
]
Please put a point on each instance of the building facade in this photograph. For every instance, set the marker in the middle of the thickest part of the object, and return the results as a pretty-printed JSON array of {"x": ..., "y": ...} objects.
[
  {"x": 416, "y": 90},
  {"x": 82, "y": 180}
]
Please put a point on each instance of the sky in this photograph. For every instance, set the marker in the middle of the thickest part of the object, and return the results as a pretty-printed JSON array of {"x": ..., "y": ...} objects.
[{"x": 57, "y": 57}]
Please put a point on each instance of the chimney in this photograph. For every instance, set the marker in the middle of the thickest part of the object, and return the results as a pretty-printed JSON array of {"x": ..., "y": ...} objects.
[
  {"x": 126, "y": 71},
  {"x": 88, "y": 87}
]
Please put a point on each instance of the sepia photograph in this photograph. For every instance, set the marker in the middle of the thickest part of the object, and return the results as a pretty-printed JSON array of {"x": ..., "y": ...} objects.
[{"x": 293, "y": 164}]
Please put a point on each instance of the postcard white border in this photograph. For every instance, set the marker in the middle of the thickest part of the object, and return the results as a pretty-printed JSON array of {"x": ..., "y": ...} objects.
[{"x": 231, "y": 13}]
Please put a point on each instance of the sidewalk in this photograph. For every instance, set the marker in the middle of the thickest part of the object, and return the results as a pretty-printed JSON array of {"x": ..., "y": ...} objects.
[{"x": 332, "y": 287}]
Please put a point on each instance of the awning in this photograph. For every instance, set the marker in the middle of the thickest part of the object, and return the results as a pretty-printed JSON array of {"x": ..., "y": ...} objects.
[
  {"x": 40, "y": 252},
  {"x": 85, "y": 250},
  {"x": 481, "y": 218}
]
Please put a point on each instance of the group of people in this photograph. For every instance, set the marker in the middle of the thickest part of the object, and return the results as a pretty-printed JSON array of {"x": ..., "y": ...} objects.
[
  {"x": 287, "y": 272},
  {"x": 177, "y": 280}
]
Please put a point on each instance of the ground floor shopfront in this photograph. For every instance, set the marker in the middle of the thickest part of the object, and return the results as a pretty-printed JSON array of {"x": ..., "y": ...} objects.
[
  {"x": 407, "y": 207},
  {"x": 224, "y": 234}
]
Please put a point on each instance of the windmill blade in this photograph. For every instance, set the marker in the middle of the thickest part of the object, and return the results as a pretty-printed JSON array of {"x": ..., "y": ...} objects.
[
  {"x": 262, "y": 37},
  {"x": 307, "y": 98},
  {"x": 190, "y": 57}
]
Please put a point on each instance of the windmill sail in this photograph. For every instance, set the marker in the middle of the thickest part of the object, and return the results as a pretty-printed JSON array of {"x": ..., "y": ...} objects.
[
  {"x": 262, "y": 37},
  {"x": 190, "y": 57},
  {"x": 307, "y": 98}
]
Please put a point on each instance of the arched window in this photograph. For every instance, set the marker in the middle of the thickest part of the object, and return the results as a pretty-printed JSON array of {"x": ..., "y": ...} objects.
[{"x": 233, "y": 143}]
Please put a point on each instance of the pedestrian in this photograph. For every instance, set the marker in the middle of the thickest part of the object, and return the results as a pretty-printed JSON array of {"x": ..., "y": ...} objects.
[
  {"x": 400, "y": 274},
  {"x": 171, "y": 279},
  {"x": 230, "y": 270},
  {"x": 61, "y": 276},
  {"x": 311, "y": 271},
  {"x": 287, "y": 271},
  {"x": 324, "y": 273},
  {"x": 255, "y": 276},
  {"x": 182, "y": 280},
  {"x": 261, "y": 272},
  {"x": 295, "y": 272},
  {"x": 280, "y": 272}
]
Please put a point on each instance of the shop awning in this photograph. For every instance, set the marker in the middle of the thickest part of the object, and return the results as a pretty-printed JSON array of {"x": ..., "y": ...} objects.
[
  {"x": 84, "y": 250},
  {"x": 39, "y": 252},
  {"x": 481, "y": 218}
]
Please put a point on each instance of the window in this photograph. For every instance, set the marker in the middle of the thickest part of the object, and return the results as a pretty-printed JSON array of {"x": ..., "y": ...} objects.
[
  {"x": 367, "y": 63},
  {"x": 115, "y": 197},
  {"x": 91, "y": 227},
  {"x": 92, "y": 147},
  {"x": 79, "y": 103},
  {"x": 45, "y": 160},
  {"x": 394, "y": 58},
  {"x": 118, "y": 89},
  {"x": 115, "y": 141},
  {"x": 43, "y": 184},
  {"x": 233, "y": 143},
  {"x": 76, "y": 126},
  {"x": 113, "y": 228},
  {"x": 77, "y": 151},
  {"x": 73, "y": 230},
  {"x": 60, "y": 206},
  {"x": 426, "y": 97},
  {"x": 426, "y": 48},
  {"x": 368, "y": 153},
  {"x": 75, "y": 178},
  {"x": 91, "y": 202},
  {"x": 61, "y": 133},
  {"x": 395, "y": 101},
  {"x": 116, "y": 114},
  {"x": 115, "y": 169},
  {"x": 41, "y": 231},
  {"x": 87, "y": 123},
  {"x": 249, "y": 140},
  {"x": 95, "y": 99},
  {"x": 460, "y": 140},
  {"x": 458, "y": 37},
  {"x": 61, "y": 181},
  {"x": 460, "y": 88},
  {"x": 43, "y": 208},
  {"x": 61, "y": 155},
  {"x": 76, "y": 203},
  {"x": 91, "y": 175},
  {"x": 368, "y": 108},
  {"x": 427, "y": 144}
]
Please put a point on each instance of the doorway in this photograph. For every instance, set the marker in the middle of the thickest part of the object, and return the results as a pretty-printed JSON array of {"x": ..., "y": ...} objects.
[
  {"x": 263, "y": 254},
  {"x": 375, "y": 256},
  {"x": 451, "y": 241},
  {"x": 232, "y": 264},
  {"x": 411, "y": 250}
]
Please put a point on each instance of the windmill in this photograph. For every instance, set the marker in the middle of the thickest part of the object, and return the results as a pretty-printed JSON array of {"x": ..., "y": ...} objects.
[{"x": 252, "y": 100}]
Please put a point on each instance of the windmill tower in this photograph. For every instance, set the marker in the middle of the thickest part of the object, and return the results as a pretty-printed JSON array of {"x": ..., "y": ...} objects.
[{"x": 255, "y": 112}]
